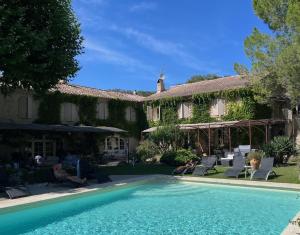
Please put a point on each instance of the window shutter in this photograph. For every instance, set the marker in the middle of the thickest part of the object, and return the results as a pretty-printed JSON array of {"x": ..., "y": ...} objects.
[
  {"x": 149, "y": 113},
  {"x": 106, "y": 113},
  {"x": 221, "y": 107},
  {"x": 214, "y": 108},
  {"x": 68, "y": 112},
  {"x": 75, "y": 115},
  {"x": 179, "y": 111},
  {"x": 127, "y": 114},
  {"x": 29, "y": 107},
  {"x": 23, "y": 107},
  {"x": 101, "y": 111},
  {"x": 132, "y": 114}
]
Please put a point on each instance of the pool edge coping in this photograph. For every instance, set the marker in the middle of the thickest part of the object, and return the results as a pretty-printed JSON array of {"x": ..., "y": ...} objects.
[{"x": 65, "y": 193}]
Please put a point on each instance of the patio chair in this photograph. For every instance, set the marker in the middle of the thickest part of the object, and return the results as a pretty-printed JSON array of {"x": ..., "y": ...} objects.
[
  {"x": 208, "y": 163},
  {"x": 244, "y": 149},
  {"x": 265, "y": 169},
  {"x": 237, "y": 168}
]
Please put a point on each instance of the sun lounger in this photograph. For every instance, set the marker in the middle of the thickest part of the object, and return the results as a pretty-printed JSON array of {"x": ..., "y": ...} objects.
[
  {"x": 265, "y": 169},
  {"x": 208, "y": 163},
  {"x": 237, "y": 168},
  {"x": 16, "y": 192},
  {"x": 244, "y": 149}
]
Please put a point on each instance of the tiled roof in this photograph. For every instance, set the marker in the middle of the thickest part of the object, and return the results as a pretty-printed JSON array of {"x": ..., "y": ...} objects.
[
  {"x": 189, "y": 89},
  {"x": 81, "y": 90}
]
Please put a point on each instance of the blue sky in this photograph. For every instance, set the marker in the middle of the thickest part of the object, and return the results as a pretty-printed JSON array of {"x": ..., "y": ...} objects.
[{"x": 129, "y": 42}]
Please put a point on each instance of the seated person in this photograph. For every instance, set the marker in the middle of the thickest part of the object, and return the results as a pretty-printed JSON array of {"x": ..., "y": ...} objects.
[
  {"x": 183, "y": 169},
  {"x": 60, "y": 173}
]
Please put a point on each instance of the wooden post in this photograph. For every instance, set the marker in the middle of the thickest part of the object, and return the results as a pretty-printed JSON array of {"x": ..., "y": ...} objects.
[
  {"x": 208, "y": 139},
  {"x": 266, "y": 133},
  {"x": 250, "y": 134},
  {"x": 229, "y": 140},
  {"x": 200, "y": 145}
]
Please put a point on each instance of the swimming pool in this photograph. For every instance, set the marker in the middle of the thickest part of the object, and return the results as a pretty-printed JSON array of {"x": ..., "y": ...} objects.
[{"x": 159, "y": 208}]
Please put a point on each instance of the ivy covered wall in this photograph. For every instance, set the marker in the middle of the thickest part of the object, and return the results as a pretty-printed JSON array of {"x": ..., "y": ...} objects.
[
  {"x": 50, "y": 105},
  {"x": 240, "y": 105}
]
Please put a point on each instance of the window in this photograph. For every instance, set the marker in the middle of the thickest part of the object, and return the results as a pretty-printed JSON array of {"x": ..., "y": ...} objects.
[
  {"x": 102, "y": 110},
  {"x": 108, "y": 143},
  {"x": 122, "y": 144},
  {"x": 184, "y": 110},
  {"x": 217, "y": 107},
  {"x": 114, "y": 143},
  {"x": 25, "y": 107},
  {"x": 130, "y": 114},
  {"x": 153, "y": 113},
  {"x": 44, "y": 147},
  {"x": 69, "y": 112}
]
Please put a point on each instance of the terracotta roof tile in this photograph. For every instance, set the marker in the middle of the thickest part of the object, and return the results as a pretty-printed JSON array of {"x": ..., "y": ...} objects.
[
  {"x": 82, "y": 90},
  {"x": 189, "y": 89}
]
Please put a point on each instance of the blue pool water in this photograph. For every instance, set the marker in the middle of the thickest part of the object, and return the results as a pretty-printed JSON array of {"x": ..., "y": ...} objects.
[{"x": 159, "y": 208}]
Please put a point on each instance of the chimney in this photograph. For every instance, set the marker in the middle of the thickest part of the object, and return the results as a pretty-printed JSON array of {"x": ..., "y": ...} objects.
[{"x": 160, "y": 87}]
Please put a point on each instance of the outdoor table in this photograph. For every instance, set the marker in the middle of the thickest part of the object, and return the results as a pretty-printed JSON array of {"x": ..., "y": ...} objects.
[{"x": 247, "y": 168}]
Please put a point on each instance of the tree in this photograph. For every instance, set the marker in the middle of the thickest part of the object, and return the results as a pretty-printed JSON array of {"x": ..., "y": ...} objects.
[
  {"x": 199, "y": 78},
  {"x": 39, "y": 41},
  {"x": 275, "y": 57}
]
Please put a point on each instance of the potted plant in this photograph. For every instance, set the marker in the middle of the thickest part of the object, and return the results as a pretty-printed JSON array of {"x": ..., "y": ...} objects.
[{"x": 255, "y": 158}]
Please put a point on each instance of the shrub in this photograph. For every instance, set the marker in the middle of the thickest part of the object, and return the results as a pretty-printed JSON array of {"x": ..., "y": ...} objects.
[
  {"x": 255, "y": 155},
  {"x": 168, "y": 158},
  {"x": 180, "y": 157},
  {"x": 282, "y": 145},
  {"x": 146, "y": 150}
]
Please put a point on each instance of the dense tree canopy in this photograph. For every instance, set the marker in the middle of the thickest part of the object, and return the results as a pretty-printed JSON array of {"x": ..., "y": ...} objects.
[
  {"x": 199, "y": 78},
  {"x": 39, "y": 41},
  {"x": 276, "y": 56}
]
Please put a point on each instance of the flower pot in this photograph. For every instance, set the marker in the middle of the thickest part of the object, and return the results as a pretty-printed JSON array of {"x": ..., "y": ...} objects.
[{"x": 254, "y": 163}]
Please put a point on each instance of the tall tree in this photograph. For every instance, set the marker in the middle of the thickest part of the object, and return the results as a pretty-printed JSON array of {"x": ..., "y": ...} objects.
[
  {"x": 199, "y": 78},
  {"x": 275, "y": 57},
  {"x": 39, "y": 42}
]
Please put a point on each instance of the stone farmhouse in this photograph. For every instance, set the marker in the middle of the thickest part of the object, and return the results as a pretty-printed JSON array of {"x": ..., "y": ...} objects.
[{"x": 213, "y": 113}]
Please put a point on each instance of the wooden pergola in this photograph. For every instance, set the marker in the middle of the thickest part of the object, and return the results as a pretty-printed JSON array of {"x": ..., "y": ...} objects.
[{"x": 242, "y": 124}]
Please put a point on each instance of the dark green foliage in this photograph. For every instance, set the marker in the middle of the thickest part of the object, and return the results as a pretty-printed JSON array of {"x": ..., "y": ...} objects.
[
  {"x": 278, "y": 148},
  {"x": 39, "y": 41},
  {"x": 201, "y": 113},
  {"x": 49, "y": 108},
  {"x": 166, "y": 136},
  {"x": 50, "y": 104},
  {"x": 281, "y": 145},
  {"x": 178, "y": 158},
  {"x": 116, "y": 117},
  {"x": 199, "y": 78},
  {"x": 240, "y": 110},
  {"x": 168, "y": 158},
  {"x": 276, "y": 57},
  {"x": 169, "y": 115},
  {"x": 87, "y": 109},
  {"x": 146, "y": 150}
]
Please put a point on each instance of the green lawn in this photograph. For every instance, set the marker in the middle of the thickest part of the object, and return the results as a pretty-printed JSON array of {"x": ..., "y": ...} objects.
[{"x": 287, "y": 174}]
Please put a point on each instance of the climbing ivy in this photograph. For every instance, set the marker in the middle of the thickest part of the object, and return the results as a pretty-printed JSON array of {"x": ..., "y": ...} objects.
[
  {"x": 240, "y": 105},
  {"x": 50, "y": 105}
]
